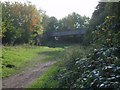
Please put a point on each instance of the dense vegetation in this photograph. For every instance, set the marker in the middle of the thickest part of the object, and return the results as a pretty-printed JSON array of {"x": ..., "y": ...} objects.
[
  {"x": 73, "y": 21},
  {"x": 20, "y": 23},
  {"x": 99, "y": 68},
  {"x": 98, "y": 18},
  {"x": 24, "y": 23},
  {"x": 94, "y": 65}
]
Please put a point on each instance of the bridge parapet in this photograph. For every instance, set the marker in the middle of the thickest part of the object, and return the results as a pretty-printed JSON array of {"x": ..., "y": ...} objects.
[{"x": 71, "y": 32}]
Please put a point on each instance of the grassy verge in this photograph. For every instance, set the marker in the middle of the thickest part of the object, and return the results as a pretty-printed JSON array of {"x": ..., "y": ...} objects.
[
  {"x": 48, "y": 80},
  {"x": 15, "y": 59}
]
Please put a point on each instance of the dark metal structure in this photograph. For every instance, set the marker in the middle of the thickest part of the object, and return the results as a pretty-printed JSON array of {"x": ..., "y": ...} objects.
[{"x": 68, "y": 32}]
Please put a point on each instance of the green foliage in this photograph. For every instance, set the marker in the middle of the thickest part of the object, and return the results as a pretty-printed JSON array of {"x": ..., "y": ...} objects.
[
  {"x": 52, "y": 24},
  {"x": 73, "y": 21},
  {"x": 107, "y": 34},
  {"x": 97, "y": 66},
  {"x": 103, "y": 9},
  {"x": 100, "y": 68},
  {"x": 50, "y": 78},
  {"x": 0, "y": 20},
  {"x": 19, "y": 21},
  {"x": 68, "y": 71}
]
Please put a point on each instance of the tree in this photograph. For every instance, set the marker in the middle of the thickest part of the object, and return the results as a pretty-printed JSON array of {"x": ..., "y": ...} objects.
[
  {"x": 108, "y": 33},
  {"x": 0, "y": 21},
  {"x": 73, "y": 21},
  {"x": 50, "y": 25},
  {"x": 103, "y": 9},
  {"x": 19, "y": 22}
]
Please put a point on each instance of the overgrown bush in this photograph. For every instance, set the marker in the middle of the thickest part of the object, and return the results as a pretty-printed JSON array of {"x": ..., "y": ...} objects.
[
  {"x": 99, "y": 68},
  {"x": 68, "y": 72}
]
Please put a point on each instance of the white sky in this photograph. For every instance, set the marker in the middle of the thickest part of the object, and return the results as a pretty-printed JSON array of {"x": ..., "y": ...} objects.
[{"x": 61, "y": 8}]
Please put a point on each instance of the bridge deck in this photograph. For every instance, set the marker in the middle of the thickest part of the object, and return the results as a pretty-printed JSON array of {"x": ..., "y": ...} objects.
[{"x": 65, "y": 33}]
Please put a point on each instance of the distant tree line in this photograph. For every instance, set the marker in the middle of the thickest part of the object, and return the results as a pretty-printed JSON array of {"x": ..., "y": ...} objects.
[
  {"x": 23, "y": 23},
  {"x": 73, "y": 21}
]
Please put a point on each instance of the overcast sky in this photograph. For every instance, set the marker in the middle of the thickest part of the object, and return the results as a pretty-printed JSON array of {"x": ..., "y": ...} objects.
[{"x": 61, "y": 8}]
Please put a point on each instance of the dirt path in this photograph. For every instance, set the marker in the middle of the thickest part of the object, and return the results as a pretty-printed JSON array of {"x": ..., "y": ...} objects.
[{"x": 25, "y": 78}]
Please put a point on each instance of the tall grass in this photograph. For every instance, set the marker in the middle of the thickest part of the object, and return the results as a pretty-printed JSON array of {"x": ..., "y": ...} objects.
[{"x": 73, "y": 52}]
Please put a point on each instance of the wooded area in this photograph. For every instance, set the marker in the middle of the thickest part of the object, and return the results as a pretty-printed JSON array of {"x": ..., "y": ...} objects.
[
  {"x": 23, "y": 23},
  {"x": 93, "y": 63}
]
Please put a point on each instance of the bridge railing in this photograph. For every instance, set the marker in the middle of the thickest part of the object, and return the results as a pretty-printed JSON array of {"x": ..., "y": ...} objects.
[{"x": 72, "y": 32}]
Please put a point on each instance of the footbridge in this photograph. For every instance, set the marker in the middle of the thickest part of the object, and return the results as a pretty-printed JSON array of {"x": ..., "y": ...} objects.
[{"x": 68, "y": 32}]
